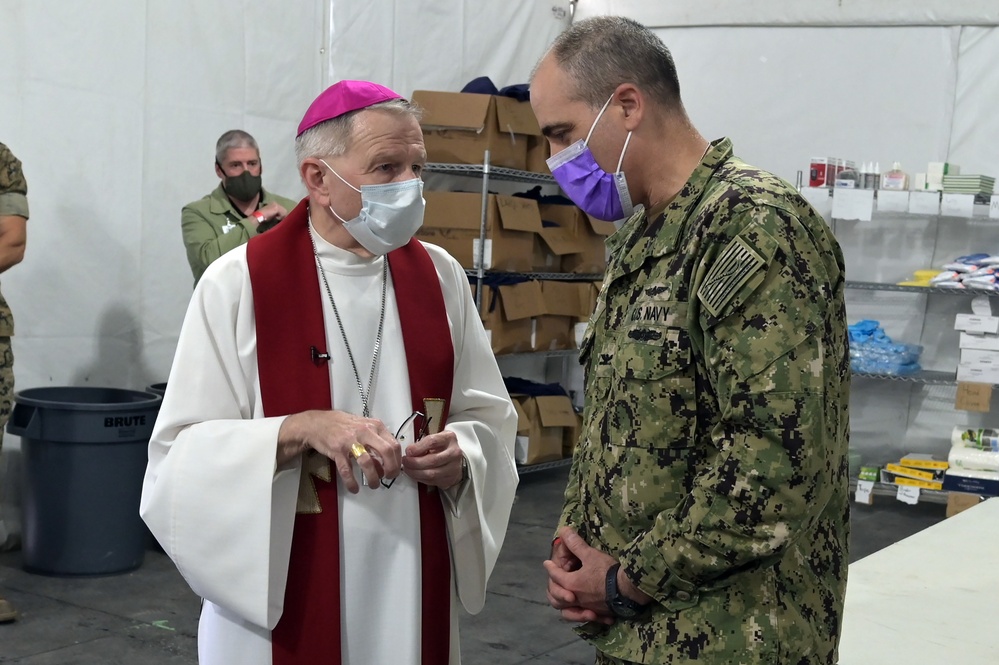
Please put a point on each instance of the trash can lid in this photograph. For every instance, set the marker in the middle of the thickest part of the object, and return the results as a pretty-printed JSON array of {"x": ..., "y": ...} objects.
[{"x": 88, "y": 398}]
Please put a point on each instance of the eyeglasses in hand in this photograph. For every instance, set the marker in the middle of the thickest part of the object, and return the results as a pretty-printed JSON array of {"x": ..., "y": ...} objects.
[{"x": 419, "y": 434}]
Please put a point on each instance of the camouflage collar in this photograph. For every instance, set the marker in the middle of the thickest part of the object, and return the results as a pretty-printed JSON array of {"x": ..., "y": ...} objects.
[{"x": 642, "y": 240}]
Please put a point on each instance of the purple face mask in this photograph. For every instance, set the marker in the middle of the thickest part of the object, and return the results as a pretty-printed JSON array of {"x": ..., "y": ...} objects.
[{"x": 598, "y": 193}]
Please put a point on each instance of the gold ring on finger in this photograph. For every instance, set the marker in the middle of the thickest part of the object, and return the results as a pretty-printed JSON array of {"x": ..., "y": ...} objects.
[{"x": 357, "y": 450}]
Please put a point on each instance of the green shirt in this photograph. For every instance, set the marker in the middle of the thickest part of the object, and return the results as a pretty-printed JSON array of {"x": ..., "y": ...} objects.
[
  {"x": 212, "y": 226},
  {"x": 13, "y": 201},
  {"x": 713, "y": 457}
]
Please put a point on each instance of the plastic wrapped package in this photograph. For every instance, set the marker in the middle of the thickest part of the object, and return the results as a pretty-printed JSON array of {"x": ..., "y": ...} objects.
[{"x": 873, "y": 352}]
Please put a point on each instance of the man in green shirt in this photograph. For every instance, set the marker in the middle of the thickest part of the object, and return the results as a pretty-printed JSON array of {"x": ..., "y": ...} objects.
[
  {"x": 706, "y": 516},
  {"x": 237, "y": 210}
]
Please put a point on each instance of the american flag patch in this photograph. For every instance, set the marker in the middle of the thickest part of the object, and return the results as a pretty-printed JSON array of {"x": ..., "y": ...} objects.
[{"x": 731, "y": 270}]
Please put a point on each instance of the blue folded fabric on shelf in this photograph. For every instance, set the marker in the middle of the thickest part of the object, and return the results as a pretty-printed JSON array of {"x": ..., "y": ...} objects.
[
  {"x": 483, "y": 85},
  {"x": 518, "y": 386},
  {"x": 873, "y": 352}
]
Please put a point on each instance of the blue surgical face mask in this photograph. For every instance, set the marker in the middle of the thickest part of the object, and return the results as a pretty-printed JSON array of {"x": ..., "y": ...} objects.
[
  {"x": 598, "y": 193},
  {"x": 390, "y": 214}
]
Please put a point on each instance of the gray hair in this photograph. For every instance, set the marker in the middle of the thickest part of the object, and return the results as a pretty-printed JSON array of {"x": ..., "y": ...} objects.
[
  {"x": 234, "y": 138},
  {"x": 333, "y": 137},
  {"x": 601, "y": 53}
]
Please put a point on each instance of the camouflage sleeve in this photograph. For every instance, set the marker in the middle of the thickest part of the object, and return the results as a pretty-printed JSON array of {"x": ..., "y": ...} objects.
[
  {"x": 13, "y": 186},
  {"x": 570, "y": 503},
  {"x": 762, "y": 305}
]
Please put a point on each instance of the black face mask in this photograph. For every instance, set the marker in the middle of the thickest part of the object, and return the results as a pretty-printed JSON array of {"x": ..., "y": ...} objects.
[{"x": 243, "y": 187}]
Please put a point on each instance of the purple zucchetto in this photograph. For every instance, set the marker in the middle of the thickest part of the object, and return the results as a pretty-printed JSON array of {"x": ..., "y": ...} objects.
[{"x": 344, "y": 97}]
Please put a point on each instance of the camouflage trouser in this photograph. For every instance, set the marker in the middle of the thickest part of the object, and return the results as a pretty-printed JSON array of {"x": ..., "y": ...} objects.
[
  {"x": 604, "y": 659},
  {"x": 6, "y": 383}
]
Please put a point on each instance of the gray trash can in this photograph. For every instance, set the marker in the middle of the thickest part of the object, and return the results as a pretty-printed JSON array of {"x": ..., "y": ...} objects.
[
  {"x": 84, "y": 456},
  {"x": 158, "y": 388}
]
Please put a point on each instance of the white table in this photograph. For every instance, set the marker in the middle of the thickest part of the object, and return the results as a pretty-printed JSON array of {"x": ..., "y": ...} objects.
[{"x": 932, "y": 598}]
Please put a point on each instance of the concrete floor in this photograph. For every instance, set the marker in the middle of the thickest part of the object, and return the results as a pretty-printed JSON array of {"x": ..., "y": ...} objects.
[{"x": 150, "y": 617}]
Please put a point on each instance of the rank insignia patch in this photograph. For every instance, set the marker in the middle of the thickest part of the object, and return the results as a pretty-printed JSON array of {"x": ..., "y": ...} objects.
[{"x": 731, "y": 270}]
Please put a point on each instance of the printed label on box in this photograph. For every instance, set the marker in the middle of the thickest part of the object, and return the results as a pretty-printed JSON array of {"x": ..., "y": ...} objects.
[
  {"x": 487, "y": 254},
  {"x": 892, "y": 201},
  {"x": 957, "y": 205},
  {"x": 994, "y": 207},
  {"x": 976, "y": 374},
  {"x": 521, "y": 444},
  {"x": 976, "y": 324},
  {"x": 979, "y": 358},
  {"x": 979, "y": 341},
  {"x": 853, "y": 204},
  {"x": 924, "y": 203}
]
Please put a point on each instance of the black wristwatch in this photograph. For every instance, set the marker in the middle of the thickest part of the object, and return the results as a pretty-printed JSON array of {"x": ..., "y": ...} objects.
[{"x": 621, "y": 606}]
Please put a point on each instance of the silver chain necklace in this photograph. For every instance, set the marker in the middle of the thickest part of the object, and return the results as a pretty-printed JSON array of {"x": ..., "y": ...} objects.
[{"x": 365, "y": 394}]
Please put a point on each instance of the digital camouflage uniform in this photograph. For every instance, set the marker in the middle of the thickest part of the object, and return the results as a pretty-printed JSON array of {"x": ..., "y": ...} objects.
[
  {"x": 713, "y": 459},
  {"x": 13, "y": 201}
]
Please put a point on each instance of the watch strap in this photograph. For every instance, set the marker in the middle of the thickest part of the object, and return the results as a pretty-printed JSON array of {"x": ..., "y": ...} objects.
[{"x": 617, "y": 602}]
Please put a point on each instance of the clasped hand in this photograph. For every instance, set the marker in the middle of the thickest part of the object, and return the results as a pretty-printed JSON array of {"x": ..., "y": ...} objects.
[
  {"x": 577, "y": 580},
  {"x": 434, "y": 460}
]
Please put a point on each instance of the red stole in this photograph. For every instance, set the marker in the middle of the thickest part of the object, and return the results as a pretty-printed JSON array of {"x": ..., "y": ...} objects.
[{"x": 288, "y": 307}]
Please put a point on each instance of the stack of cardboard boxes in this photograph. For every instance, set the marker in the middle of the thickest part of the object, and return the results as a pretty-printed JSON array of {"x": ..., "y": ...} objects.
[
  {"x": 520, "y": 236},
  {"x": 459, "y": 127},
  {"x": 979, "y": 348}
]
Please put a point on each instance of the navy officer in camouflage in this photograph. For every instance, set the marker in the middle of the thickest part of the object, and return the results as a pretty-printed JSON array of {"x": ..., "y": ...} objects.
[
  {"x": 706, "y": 517},
  {"x": 13, "y": 235}
]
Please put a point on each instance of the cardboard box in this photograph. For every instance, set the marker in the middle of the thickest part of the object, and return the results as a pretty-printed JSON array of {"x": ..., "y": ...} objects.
[
  {"x": 891, "y": 478},
  {"x": 958, "y": 502},
  {"x": 919, "y": 474},
  {"x": 980, "y": 358},
  {"x": 923, "y": 461},
  {"x": 553, "y": 330},
  {"x": 977, "y": 373},
  {"x": 508, "y": 314},
  {"x": 585, "y": 249},
  {"x": 981, "y": 342},
  {"x": 971, "y": 482},
  {"x": 452, "y": 221},
  {"x": 588, "y": 292},
  {"x": 556, "y": 238},
  {"x": 459, "y": 127},
  {"x": 547, "y": 418},
  {"x": 522, "y": 442},
  {"x": 538, "y": 152}
]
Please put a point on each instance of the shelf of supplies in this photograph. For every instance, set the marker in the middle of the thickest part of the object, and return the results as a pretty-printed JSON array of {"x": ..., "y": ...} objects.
[
  {"x": 544, "y": 466},
  {"x": 560, "y": 276},
  {"x": 557, "y": 353},
  {"x": 497, "y": 172},
  {"x": 879, "y": 286},
  {"x": 926, "y": 376},
  {"x": 890, "y": 490}
]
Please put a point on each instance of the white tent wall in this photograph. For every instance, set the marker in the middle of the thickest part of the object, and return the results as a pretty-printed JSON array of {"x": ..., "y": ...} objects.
[{"x": 114, "y": 108}]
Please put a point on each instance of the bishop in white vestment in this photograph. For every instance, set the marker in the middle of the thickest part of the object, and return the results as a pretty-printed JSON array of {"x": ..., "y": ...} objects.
[{"x": 228, "y": 482}]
